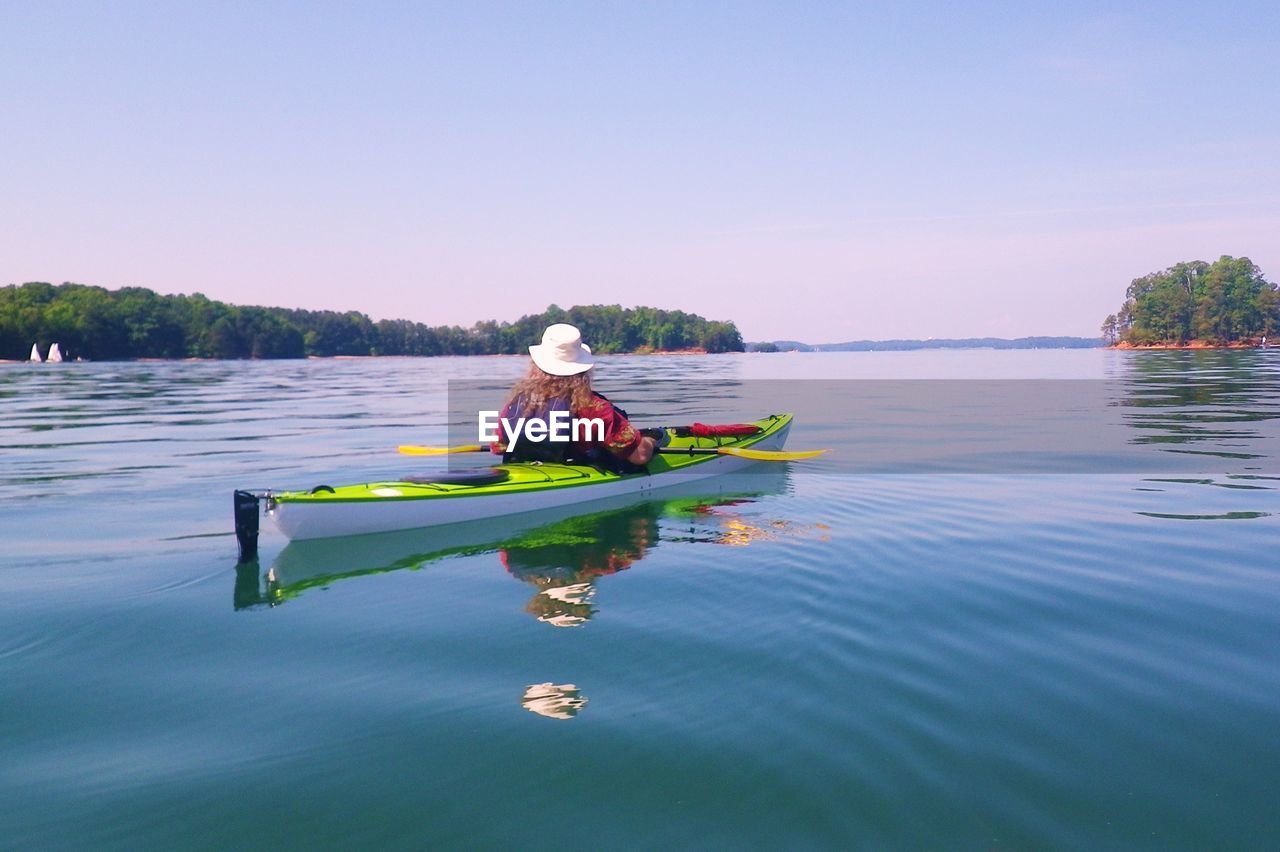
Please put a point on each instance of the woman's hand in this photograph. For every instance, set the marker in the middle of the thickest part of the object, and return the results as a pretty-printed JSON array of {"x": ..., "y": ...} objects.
[{"x": 643, "y": 452}]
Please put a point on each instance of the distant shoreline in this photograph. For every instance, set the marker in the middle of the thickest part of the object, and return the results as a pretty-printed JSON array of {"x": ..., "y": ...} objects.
[
  {"x": 1122, "y": 345},
  {"x": 909, "y": 345},
  {"x": 133, "y": 322}
]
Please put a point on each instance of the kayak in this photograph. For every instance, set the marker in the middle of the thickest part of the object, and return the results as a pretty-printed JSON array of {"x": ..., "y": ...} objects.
[
  {"x": 565, "y": 539},
  {"x": 505, "y": 489}
]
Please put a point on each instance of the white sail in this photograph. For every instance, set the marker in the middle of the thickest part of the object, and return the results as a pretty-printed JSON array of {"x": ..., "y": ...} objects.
[
  {"x": 35, "y": 353},
  {"x": 55, "y": 355}
]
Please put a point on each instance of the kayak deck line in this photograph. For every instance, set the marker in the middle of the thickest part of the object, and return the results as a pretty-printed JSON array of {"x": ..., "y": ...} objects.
[{"x": 387, "y": 505}]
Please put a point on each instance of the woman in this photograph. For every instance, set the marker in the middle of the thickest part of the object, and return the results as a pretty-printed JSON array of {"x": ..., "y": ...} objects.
[{"x": 559, "y": 379}]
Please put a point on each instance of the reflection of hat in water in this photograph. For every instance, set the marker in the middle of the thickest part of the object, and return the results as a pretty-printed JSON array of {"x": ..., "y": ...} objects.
[
  {"x": 553, "y": 700},
  {"x": 562, "y": 352}
]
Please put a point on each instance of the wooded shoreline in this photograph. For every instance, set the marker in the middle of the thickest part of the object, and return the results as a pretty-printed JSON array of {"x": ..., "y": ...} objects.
[{"x": 113, "y": 325}]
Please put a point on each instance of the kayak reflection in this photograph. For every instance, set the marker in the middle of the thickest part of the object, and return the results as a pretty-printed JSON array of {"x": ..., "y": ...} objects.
[{"x": 560, "y": 552}]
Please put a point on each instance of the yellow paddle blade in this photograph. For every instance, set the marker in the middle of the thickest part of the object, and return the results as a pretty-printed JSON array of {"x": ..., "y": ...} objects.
[
  {"x": 769, "y": 455},
  {"x": 411, "y": 450}
]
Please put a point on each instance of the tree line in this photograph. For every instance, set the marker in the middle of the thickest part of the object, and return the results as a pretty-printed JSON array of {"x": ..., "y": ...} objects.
[
  {"x": 99, "y": 324},
  {"x": 1227, "y": 301}
]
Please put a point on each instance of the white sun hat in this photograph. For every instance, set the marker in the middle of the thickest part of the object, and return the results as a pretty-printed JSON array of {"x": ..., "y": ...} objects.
[{"x": 562, "y": 352}]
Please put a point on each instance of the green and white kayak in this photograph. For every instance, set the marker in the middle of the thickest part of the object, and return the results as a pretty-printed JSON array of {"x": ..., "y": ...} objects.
[
  {"x": 569, "y": 538},
  {"x": 510, "y": 489}
]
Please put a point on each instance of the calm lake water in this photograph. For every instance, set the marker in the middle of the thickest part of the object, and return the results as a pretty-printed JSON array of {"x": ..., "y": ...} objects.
[{"x": 1082, "y": 649}]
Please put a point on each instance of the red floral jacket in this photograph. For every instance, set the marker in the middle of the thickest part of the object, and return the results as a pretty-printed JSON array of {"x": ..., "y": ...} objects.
[{"x": 620, "y": 437}]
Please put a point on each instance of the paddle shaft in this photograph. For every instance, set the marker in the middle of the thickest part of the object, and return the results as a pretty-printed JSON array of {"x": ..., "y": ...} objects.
[{"x": 743, "y": 452}]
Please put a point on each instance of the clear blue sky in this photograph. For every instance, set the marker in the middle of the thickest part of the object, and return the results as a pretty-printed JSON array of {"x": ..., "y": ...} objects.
[{"x": 814, "y": 171}]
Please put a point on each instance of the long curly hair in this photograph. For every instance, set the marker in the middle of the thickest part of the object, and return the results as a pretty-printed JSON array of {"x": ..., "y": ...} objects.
[{"x": 538, "y": 389}]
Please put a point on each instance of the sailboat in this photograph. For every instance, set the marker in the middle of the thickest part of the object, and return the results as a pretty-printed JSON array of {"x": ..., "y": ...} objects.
[
  {"x": 35, "y": 353},
  {"x": 55, "y": 354}
]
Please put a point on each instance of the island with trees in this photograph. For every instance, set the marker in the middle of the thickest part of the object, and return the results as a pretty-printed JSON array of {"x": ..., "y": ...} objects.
[
  {"x": 99, "y": 324},
  {"x": 1227, "y": 303}
]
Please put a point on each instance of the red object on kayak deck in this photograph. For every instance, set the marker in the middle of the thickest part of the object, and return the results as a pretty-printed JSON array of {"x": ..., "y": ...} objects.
[{"x": 730, "y": 430}]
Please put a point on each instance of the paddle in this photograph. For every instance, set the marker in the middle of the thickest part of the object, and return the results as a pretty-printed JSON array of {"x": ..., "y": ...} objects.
[
  {"x": 741, "y": 452},
  {"x": 411, "y": 450}
]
